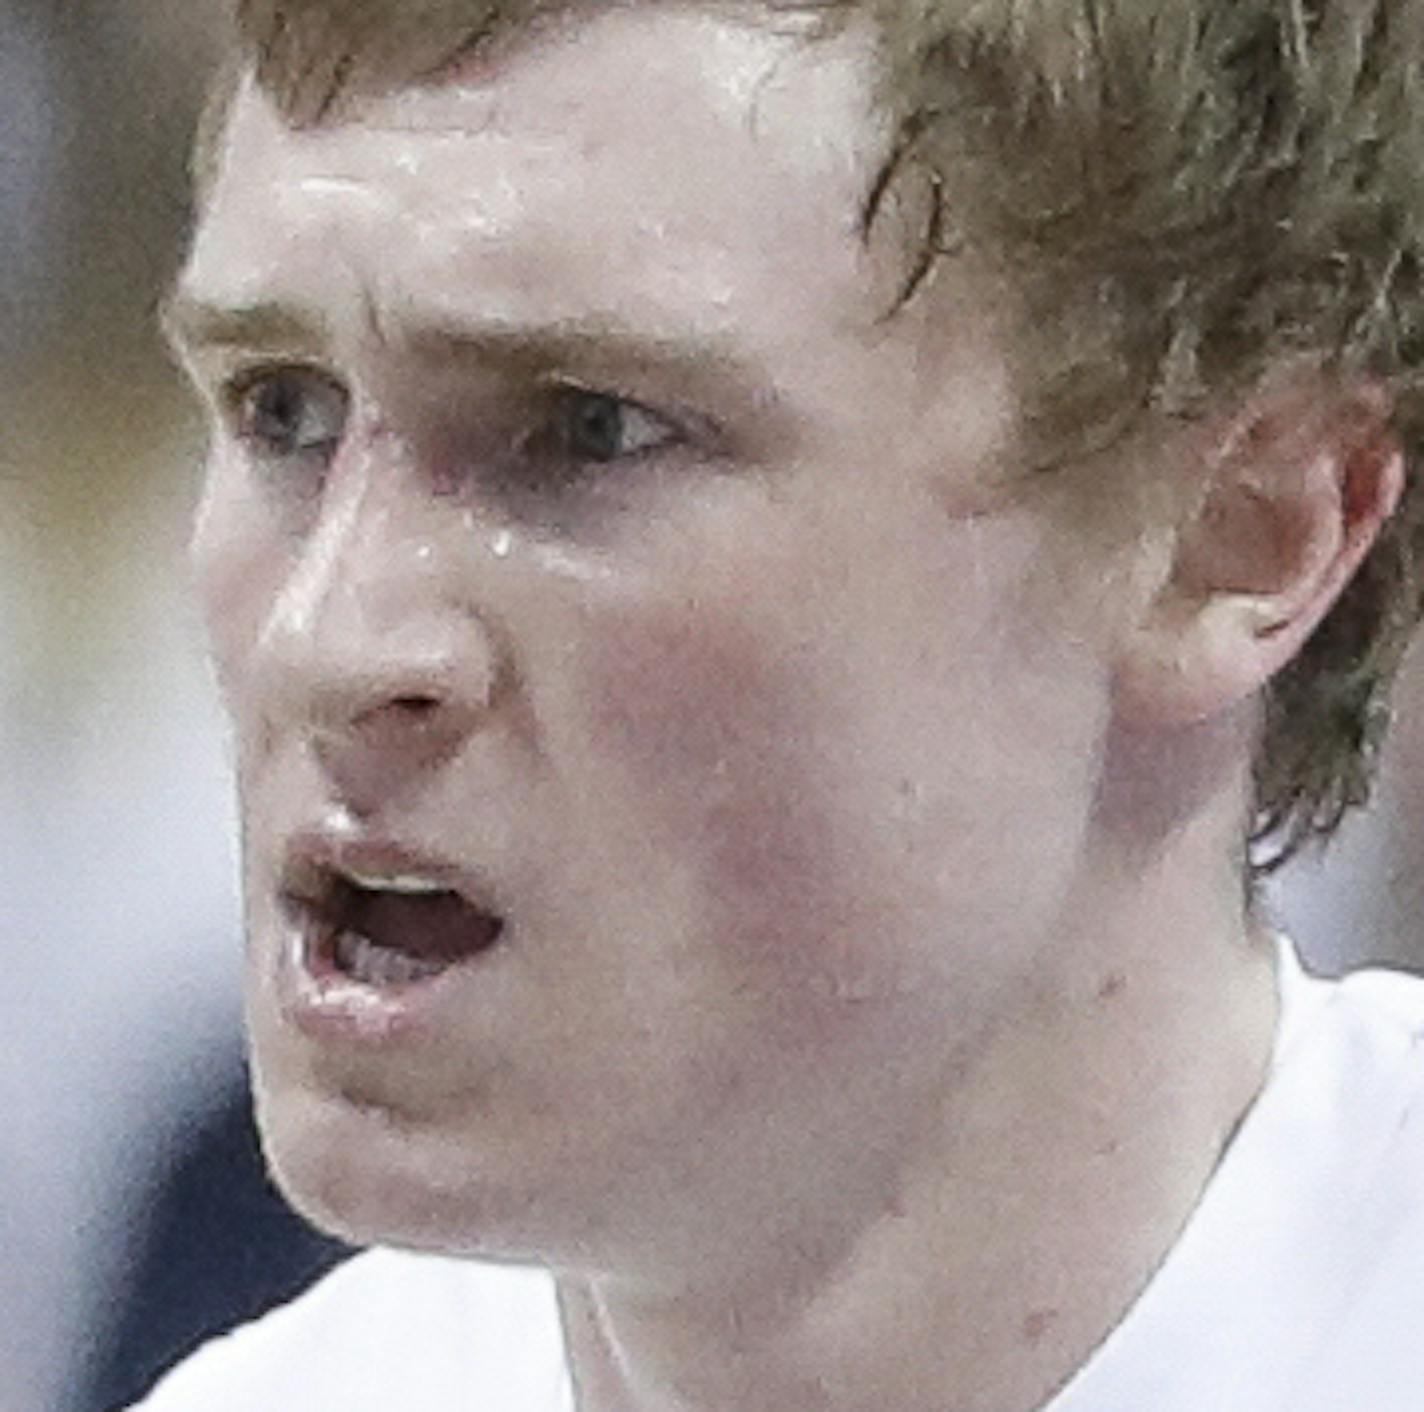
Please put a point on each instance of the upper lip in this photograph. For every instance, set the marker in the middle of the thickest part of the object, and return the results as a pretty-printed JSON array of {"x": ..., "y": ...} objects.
[{"x": 315, "y": 860}]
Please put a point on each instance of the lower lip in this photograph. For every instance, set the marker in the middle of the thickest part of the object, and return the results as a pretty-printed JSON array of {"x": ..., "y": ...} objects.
[{"x": 327, "y": 1005}]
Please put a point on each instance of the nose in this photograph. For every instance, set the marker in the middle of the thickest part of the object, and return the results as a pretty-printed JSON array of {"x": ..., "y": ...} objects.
[{"x": 373, "y": 652}]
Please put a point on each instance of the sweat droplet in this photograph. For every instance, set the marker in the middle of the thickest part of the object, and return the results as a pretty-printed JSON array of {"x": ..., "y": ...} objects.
[
  {"x": 339, "y": 821},
  {"x": 501, "y": 544}
]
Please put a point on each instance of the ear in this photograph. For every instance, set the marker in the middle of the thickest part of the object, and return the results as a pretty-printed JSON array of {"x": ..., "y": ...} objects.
[{"x": 1294, "y": 491}]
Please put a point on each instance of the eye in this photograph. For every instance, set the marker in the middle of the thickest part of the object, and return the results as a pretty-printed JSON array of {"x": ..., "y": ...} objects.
[
  {"x": 289, "y": 412},
  {"x": 596, "y": 428}
]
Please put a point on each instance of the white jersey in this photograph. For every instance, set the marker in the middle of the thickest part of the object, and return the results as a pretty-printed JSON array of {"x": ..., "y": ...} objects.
[{"x": 1297, "y": 1286}]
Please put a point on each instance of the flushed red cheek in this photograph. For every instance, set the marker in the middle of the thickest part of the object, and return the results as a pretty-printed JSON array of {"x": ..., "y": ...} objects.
[{"x": 721, "y": 742}]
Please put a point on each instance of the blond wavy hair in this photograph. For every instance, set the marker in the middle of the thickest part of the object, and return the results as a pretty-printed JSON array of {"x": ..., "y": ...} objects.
[{"x": 1189, "y": 192}]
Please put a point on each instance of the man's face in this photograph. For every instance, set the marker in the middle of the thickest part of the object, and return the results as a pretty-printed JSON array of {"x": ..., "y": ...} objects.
[{"x": 579, "y": 537}]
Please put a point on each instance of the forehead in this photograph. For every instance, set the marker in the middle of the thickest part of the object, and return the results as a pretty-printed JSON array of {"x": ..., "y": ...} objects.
[{"x": 669, "y": 157}]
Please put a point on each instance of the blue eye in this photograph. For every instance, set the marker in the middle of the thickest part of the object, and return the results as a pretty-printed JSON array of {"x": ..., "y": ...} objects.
[
  {"x": 596, "y": 428},
  {"x": 290, "y": 412}
]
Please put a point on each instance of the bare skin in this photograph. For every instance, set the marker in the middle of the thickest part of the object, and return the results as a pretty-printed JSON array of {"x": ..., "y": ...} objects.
[{"x": 876, "y": 995}]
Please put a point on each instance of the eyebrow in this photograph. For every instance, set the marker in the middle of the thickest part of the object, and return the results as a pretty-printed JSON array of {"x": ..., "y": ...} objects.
[
  {"x": 190, "y": 322},
  {"x": 594, "y": 343},
  {"x": 193, "y": 323}
]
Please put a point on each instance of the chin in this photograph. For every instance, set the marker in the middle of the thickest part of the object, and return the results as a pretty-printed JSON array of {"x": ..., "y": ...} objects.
[{"x": 365, "y": 1177}]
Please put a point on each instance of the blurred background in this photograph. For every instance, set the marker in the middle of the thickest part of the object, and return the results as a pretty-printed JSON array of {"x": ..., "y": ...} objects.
[{"x": 133, "y": 1217}]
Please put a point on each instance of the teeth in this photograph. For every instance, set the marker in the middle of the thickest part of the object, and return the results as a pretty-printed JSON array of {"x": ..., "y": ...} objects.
[
  {"x": 409, "y": 884},
  {"x": 365, "y": 960}
]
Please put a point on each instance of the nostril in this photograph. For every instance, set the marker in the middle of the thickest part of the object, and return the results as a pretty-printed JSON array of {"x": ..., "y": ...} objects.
[
  {"x": 390, "y": 719},
  {"x": 374, "y": 756}
]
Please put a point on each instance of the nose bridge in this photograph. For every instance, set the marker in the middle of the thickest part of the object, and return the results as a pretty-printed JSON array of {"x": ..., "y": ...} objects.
[{"x": 373, "y": 651}]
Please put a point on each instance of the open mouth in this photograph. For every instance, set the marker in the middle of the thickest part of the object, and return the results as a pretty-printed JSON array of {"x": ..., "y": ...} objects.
[{"x": 394, "y": 930}]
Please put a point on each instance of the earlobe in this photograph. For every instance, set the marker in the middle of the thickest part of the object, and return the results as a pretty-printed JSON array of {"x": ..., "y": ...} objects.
[{"x": 1290, "y": 507}]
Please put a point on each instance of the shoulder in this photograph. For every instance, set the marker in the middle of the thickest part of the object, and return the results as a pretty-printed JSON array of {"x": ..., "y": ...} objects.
[
  {"x": 387, "y": 1329},
  {"x": 1364, "y": 1033},
  {"x": 1392, "y": 1002},
  {"x": 1349, "y": 1071},
  {"x": 1350, "y": 1149},
  {"x": 1297, "y": 1283}
]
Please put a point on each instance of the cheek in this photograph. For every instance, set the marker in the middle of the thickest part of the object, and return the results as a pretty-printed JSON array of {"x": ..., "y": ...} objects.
[
  {"x": 859, "y": 796},
  {"x": 724, "y": 749}
]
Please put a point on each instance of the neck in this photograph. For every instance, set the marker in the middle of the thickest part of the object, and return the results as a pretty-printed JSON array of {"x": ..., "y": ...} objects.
[{"x": 1026, "y": 1212}]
